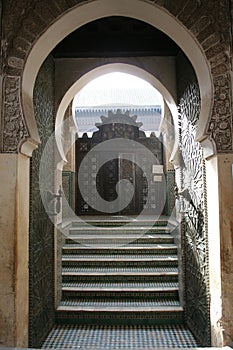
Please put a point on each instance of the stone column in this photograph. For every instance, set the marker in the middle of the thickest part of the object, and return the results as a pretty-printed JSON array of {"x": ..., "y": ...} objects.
[
  {"x": 14, "y": 223},
  {"x": 219, "y": 173}
]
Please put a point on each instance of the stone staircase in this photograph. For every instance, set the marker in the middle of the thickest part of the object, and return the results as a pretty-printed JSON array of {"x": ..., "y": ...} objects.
[{"x": 113, "y": 274}]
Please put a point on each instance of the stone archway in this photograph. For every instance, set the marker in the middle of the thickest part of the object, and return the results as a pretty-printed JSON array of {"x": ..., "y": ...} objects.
[
  {"x": 203, "y": 332},
  {"x": 190, "y": 25},
  {"x": 144, "y": 11},
  {"x": 76, "y": 86},
  {"x": 196, "y": 27}
]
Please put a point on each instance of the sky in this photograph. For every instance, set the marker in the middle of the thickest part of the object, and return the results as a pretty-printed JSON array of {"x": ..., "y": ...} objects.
[{"x": 120, "y": 88}]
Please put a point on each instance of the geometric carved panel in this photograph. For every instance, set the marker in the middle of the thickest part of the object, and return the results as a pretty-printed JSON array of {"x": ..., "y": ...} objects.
[
  {"x": 14, "y": 129},
  {"x": 221, "y": 123},
  {"x": 194, "y": 224},
  {"x": 41, "y": 231}
]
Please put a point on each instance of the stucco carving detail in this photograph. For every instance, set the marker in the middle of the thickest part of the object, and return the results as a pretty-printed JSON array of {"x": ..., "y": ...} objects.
[
  {"x": 208, "y": 21},
  {"x": 193, "y": 203},
  {"x": 220, "y": 125},
  {"x": 14, "y": 128},
  {"x": 15, "y": 62}
]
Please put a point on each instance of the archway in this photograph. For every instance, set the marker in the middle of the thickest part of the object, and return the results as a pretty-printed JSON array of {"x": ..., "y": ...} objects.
[
  {"x": 119, "y": 67},
  {"x": 199, "y": 69},
  {"x": 197, "y": 27},
  {"x": 146, "y": 12},
  {"x": 170, "y": 107},
  {"x": 136, "y": 69}
]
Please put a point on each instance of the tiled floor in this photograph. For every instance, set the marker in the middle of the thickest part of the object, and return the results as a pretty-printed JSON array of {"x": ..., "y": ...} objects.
[{"x": 119, "y": 337}]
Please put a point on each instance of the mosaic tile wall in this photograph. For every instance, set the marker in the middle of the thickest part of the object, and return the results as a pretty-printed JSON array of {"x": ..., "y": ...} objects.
[
  {"x": 193, "y": 206},
  {"x": 41, "y": 232}
]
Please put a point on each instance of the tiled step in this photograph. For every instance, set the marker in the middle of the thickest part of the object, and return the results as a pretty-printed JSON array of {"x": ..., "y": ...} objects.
[
  {"x": 121, "y": 317},
  {"x": 156, "y": 278},
  {"x": 126, "y": 337},
  {"x": 120, "y": 261},
  {"x": 119, "y": 257},
  {"x": 119, "y": 274},
  {"x": 117, "y": 304},
  {"x": 119, "y": 222},
  {"x": 119, "y": 271},
  {"x": 116, "y": 274},
  {"x": 121, "y": 286},
  {"x": 155, "y": 249},
  {"x": 127, "y": 230},
  {"x": 105, "y": 307},
  {"x": 93, "y": 293},
  {"x": 121, "y": 289},
  {"x": 119, "y": 238}
]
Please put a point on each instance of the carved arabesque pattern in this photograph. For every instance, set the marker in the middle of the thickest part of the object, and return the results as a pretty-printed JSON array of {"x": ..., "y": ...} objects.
[
  {"x": 14, "y": 128},
  {"x": 24, "y": 21},
  {"x": 170, "y": 197},
  {"x": 220, "y": 126},
  {"x": 194, "y": 224},
  {"x": 41, "y": 231}
]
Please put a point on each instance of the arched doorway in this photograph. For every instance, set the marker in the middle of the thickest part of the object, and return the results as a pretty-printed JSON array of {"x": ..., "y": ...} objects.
[
  {"x": 197, "y": 267},
  {"x": 62, "y": 307},
  {"x": 198, "y": 222},
  {"x": 29, "y": 84},
  {"x": 146, "y": 12}
]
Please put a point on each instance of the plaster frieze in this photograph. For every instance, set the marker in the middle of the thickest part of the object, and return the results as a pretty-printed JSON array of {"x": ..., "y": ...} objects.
[
  {"x": 208, "y": 21},
  {"x": 220, "y": 125},
  {"x": 14, "y": 128}
]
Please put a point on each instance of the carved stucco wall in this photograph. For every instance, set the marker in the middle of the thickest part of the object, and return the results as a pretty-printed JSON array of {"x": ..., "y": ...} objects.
[
  {"x": 41, "y": 230},
  {"x": 24, "y": 21},
  {"x": 193, "y": 205}
]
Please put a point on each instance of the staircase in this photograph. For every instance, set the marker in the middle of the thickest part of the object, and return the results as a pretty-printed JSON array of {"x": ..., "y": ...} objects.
[{"x": 111, "y": 274}]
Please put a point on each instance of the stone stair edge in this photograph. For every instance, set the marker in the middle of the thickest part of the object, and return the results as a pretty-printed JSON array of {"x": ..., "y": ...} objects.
[{"x": 121, "y": 309}]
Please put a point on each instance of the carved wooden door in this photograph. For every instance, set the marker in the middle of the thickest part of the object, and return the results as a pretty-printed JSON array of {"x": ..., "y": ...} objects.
[
  {"x": 110, "y": 174},
  {"x": 107, "y": 179},
  {"x": 127, "y": 170}
]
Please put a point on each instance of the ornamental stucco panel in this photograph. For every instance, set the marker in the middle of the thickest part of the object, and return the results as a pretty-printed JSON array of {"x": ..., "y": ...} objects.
[{"x": 209, "y": 21}]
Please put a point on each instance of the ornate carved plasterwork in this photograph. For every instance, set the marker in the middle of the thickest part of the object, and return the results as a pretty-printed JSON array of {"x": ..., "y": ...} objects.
[
  {"x": 41, "y": 230},
  {"x": 14, "y": 128},
  {"x": 192, "y": 109},
  {"x": 194, "y": 226},
  {"x": 24, "y": 22},
  {"x": 170, "y": 197},
  {"x": 220, "y": 126}
]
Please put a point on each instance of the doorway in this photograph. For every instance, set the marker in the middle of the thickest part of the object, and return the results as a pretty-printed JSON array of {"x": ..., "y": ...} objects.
[{"x": 121, "y": 173}]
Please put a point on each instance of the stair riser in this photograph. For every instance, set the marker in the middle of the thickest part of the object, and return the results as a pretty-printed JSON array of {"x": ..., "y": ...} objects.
[
  {"x": 111, "y": 230},
  {"x": 119, "y": 251},
  {"x": 116, "y": 263},
  {"x": 120, "y": 318},
  {"x": 88, "y": 278},
  {"x": 119, "y": 223},
  {"x": 120, "y": 302},
  {"x": 90, "y": 241},
  {"x": 95, "y": 294}
]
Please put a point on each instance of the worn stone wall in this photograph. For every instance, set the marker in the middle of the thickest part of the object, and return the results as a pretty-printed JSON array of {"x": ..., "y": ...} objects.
[
  {"x": 41, "y": 230},
  {"x": 208, "y": 21}
]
